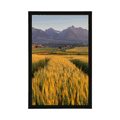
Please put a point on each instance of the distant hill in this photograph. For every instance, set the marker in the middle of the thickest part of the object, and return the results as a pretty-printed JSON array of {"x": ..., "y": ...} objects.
[{"x": 69, "y": 36}]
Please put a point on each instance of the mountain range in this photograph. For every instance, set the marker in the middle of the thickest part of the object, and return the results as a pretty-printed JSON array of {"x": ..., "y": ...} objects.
[{"x": 69, "y": 36}]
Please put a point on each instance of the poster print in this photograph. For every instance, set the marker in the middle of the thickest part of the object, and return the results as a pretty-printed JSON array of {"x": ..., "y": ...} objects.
[{"x": 60, "y": 59}]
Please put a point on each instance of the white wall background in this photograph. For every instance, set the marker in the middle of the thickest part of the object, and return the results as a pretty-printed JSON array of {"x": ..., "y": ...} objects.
[{"x": 14, "y": 59}]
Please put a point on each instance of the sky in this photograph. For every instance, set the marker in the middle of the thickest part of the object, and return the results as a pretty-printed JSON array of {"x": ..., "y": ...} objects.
[{"x": 59, "y": 22}]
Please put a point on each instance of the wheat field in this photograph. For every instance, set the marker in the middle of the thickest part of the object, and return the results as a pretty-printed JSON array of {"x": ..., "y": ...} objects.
[
  {"x": 37, "y": 57},
  {"x": 59, "y": 82}
]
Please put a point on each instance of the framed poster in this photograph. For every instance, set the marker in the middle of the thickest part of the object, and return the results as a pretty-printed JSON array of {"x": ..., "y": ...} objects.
[{"x": 60, "y": 59}]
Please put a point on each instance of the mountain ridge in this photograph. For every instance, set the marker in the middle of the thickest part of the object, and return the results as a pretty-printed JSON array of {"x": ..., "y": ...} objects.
[{"x": 70, "y": 35}]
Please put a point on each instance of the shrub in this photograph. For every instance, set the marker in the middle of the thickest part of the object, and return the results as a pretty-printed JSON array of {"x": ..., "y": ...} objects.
[
  {"x": 38, "y": 65},
  {"x": 81, "y": 65}
]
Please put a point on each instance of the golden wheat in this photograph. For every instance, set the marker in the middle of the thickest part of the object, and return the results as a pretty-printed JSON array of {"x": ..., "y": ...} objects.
[
  {"x": 36, "y": 58},
  {"x": 60, "y": 83},
  {"x": 83, "y": 58}
]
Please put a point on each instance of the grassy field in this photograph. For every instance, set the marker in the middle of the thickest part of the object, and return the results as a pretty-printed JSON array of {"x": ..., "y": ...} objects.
[
  {"x": 60, "y": 79},
  {"x": 61, "y": 51},
  {"x": 78, "y": 50},
  {"x": 44, "y": 50}
]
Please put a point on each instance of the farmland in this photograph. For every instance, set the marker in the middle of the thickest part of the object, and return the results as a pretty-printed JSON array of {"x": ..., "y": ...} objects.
[
  {"x": 60, "y": 76},
  {"x": 61, "y": 51}
]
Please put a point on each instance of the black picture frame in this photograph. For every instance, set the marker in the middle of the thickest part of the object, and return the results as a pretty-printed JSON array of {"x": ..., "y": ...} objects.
[{"x": 30, "y": 13}]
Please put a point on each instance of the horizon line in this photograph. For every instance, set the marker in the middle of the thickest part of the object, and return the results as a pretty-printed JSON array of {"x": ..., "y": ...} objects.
[{"x": 58, "y": 30}]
